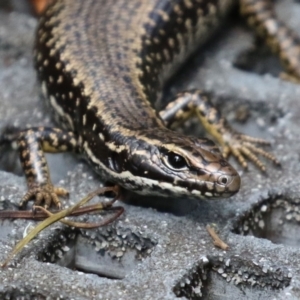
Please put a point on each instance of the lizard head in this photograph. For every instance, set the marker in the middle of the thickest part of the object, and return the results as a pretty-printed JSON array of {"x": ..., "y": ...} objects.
[{"x": 166, "y": 163}]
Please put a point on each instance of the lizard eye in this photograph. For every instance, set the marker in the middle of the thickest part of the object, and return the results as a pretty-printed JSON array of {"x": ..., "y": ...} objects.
[{"x": 175, "y": 161}]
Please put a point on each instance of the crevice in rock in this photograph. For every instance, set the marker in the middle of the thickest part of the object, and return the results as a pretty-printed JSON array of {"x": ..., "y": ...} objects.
[
  {"x": 277, "y": 220},
  {"x": 232, "y": 277},
  {"x": 111, "y": 251}
]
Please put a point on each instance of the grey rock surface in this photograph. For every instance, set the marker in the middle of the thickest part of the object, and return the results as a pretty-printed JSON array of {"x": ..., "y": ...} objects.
[{"x": 160, "y": 250}]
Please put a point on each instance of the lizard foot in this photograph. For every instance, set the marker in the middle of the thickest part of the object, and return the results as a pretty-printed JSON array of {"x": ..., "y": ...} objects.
[
  {"x": 46, "y": 194},
  {"x": 245, "y": 147}
]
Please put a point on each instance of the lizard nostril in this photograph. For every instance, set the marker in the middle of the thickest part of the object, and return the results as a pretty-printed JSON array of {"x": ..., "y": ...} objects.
[{"x": 223, "y": 179}]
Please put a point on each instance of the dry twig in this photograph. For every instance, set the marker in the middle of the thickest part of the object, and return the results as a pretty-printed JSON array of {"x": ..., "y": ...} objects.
[
  {"x": 217, "y": 240},
  {"x": 65, "y": 213}
]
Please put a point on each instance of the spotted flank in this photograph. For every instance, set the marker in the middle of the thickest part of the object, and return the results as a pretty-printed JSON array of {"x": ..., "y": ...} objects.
[{"x": 103, "y": 64}]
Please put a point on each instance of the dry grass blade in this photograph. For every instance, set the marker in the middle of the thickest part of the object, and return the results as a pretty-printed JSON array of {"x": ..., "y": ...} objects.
[
  {"x": 54, "y": 218},
  {"x": 41, "y": 214},
  {"x": 92, "y": 208}
]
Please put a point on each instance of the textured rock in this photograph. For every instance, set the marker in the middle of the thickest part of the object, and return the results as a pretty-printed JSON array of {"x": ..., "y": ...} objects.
[{"x": 164, "y": 251}]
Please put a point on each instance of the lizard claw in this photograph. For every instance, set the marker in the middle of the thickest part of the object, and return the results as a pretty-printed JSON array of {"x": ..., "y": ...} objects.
[
  {"x": 46, "y": 194},
  {"x": 245, "y": 147}
]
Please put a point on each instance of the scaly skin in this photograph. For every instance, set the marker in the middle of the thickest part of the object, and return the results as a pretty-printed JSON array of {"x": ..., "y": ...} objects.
[{"x": 102, "y": 65}]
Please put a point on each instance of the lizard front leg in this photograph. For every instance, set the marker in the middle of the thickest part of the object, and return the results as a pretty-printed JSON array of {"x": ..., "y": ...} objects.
[
  {"x": 241, "y": 146},
  {"x": 31, "y": 144}
]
